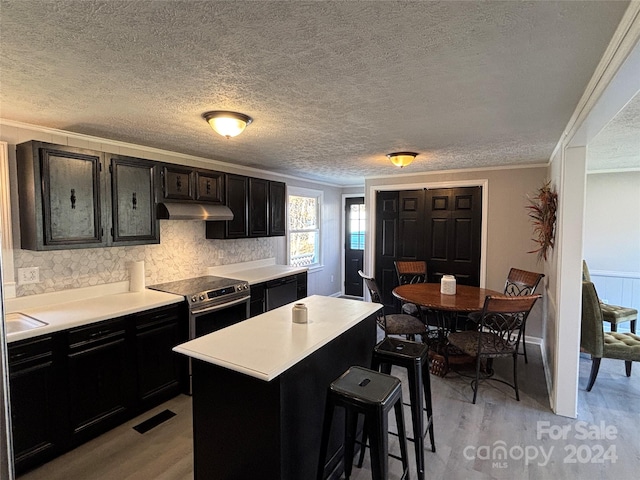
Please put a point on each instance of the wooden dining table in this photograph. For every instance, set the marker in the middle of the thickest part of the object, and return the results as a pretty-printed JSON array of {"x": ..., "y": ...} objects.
[
  {"x": 447, "y": 309},
  {"x": 466, "y": 299}
]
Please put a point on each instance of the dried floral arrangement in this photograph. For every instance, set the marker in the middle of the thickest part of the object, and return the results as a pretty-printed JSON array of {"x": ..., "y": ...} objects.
[{"x": 542, "y": 210}]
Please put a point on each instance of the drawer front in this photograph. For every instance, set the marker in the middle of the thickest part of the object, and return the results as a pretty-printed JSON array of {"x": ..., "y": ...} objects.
[
  {"x": 26, "y": 353},
  {"x": 96, "y": 333}
]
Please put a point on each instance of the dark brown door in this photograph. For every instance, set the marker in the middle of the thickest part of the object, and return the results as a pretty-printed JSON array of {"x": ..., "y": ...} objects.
[
  {"x": 453, "y": 233},
  {"x": 440, "y": 226},
  {"x": 354, "y": 228},
  {"x": 387, "y": 238}
]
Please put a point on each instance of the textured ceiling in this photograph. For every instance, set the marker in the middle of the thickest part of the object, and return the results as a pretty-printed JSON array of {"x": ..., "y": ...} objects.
[
  {"x": 332, "y": 86},
  {"x": 618, "y": 144}
]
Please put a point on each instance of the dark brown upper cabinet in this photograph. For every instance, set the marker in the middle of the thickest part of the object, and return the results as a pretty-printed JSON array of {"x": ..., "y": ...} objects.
[
  {"x": 62, "y": 195},
  {"x": 178, "y": 183},
  {"x": 188, "y": 184},
  {"x": 258, "y": 206},
  {"x": 277, "y": 209},
  {"x": 133, "y": 187},
  {"x": 209, "y": 186},
  {"x": 237, "y": 194}
]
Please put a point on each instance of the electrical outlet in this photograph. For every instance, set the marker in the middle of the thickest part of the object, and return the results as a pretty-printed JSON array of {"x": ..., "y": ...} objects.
[
  {"x": 220, "y": 254},
  {"x": 331, "y": 278},
  {"x": 28, "y": 275}
]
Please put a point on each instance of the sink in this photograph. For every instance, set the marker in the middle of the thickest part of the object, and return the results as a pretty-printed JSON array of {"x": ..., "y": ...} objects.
[{"x": 19, "y": 322}]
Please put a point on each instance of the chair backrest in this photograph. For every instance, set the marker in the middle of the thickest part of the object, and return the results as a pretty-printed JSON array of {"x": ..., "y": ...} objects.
[
  {"x": 586, "y": 276},
  {"x": 504, "y": 316},
  {"x": 592, "y": 333},
  {"x": 376, "y": 297},
  {"x": 411, "y": 271},
  {"x": 520, "y": 282},
  {"x": 372, "y": 286}
]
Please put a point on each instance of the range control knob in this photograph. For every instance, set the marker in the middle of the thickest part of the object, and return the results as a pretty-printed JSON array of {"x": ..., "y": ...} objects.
[
  {"x": 201, "y": 297},
  {"x": 194, "y": 298}
]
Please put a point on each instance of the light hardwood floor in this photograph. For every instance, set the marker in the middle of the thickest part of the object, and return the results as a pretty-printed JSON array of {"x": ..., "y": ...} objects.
[{"x": 465, "y": 434}]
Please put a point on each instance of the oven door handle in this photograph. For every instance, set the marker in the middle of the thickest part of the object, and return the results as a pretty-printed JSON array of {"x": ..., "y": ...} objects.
[{"x": 220, "y": 306}]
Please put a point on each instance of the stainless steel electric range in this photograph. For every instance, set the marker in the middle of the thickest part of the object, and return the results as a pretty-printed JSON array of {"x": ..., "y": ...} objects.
[{"x": 214, "y": 303}]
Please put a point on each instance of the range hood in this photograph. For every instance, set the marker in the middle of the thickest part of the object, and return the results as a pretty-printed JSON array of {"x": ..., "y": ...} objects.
[{"x": 193, "y": 211}]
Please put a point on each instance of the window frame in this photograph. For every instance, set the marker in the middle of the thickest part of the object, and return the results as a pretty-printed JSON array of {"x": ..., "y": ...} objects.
[{"x": 319, "y": 196}]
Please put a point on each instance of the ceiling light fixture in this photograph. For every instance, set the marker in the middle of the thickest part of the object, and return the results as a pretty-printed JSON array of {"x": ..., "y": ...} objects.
[
  {"x": 227, "y": 124},
  {"x": 402, "y": 159}
]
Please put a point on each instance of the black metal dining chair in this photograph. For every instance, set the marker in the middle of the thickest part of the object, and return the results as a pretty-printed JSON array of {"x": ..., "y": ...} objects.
[
  {"x": 393, "y": 323},
  {"x": 498, "y": 335}
]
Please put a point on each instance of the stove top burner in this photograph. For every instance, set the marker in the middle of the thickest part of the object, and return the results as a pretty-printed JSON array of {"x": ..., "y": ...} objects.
[{"x": 204, "y": 290}]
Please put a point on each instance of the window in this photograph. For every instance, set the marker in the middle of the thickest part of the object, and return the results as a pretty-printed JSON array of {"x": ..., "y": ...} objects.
[
  {"x": 356, "y": 226},
  {"x": 304, "y": 227}
]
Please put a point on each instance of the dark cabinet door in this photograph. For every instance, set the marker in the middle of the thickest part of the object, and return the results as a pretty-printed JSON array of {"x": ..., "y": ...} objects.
[
  {"x": 160, "y": 371},
  {"x": 177, "y": 183},
  {"x": 301, "y": 279},
  {"x": 62, "y": 201},
  {"x": 277, "y": 209},
  {"x": 209, "y": 187},
  {"x": 257, "y": 305},
  {"x": 258, "y": 207},
  {"x": 36, "y": 420},
  {"x": 237, "y": 201},
  {"x": 133, "y": 201},
  {"x": 100, "y": 379}
]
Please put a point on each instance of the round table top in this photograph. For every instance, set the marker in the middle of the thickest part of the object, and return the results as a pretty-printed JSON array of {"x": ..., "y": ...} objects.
[{"x": 466, "y": 299}]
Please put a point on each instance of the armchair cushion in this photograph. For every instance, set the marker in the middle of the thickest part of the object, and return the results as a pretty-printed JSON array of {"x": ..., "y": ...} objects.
[
  {"x": 622, "y": 346},
  {"x": 617, "y": 314}
]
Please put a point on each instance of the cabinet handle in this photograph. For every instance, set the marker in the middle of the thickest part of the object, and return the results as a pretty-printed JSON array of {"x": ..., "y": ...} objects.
[
  {"x": 73, "y": 198},
  {"x": 99, "y": 333},
  {"x": 208, "y": 187},
  {"x": 134, "y": 201},
  {"x": 178, "y": 183}
]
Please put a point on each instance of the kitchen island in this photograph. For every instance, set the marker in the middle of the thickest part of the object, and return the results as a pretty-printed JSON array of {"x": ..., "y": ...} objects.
[{"x": 259, "y": 388}]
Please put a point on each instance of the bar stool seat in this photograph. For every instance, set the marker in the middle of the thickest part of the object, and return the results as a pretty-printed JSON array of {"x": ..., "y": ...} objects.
[
  {"x": 372, "y": 394},
  {"x": 414, "y": 357}
]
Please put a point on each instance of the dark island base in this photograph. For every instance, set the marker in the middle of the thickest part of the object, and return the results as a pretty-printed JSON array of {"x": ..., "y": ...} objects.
[{"x": 246, "y": 428}]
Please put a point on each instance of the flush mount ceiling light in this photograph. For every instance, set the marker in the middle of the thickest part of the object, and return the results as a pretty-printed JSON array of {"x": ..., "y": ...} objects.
[
  {"x": 227, "y": 124},
  {"x": 402, "y": 159}
]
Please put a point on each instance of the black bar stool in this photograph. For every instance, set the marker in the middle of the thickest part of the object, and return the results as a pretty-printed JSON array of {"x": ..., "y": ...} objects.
[
  {"x": 373, "y": 394},
  {"x": 414, "y": 357}
]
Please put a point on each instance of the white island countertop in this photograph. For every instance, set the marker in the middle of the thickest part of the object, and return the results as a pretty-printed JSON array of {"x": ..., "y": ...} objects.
[{"x": 267, "y": 345}]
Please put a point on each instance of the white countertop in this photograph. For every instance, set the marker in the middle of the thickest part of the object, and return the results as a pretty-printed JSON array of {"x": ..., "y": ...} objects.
[
  {"x": 61, "y": 316},
  {"x": 267, "y": 345},
  {"x": 255, "y": 272}
]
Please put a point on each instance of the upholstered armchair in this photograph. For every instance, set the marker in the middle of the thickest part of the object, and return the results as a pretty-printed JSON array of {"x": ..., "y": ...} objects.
[
  {"x": 614, "y": 314},
  {"x": 600, "y": 344}
]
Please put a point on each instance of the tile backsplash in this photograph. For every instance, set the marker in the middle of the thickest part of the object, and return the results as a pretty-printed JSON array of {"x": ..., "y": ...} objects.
[{"x": 183, "y": 252}]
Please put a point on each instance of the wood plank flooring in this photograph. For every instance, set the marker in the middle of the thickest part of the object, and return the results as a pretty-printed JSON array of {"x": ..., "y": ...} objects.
[{"x": 466, "y": 434}]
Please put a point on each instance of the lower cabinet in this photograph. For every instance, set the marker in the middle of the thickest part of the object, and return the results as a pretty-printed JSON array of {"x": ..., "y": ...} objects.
[
  {"x": 100, "y": 384},
  {"x": 161, "y": 372},
  {"x": 33, "y": 380},
  {"x": 73, "y": 385},
  {"x": 256, "y": 305}
]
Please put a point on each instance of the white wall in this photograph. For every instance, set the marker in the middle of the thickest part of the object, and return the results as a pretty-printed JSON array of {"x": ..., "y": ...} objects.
[
  {"x": 612, "y": 236},
  {"x": 612, "y": 222}
]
